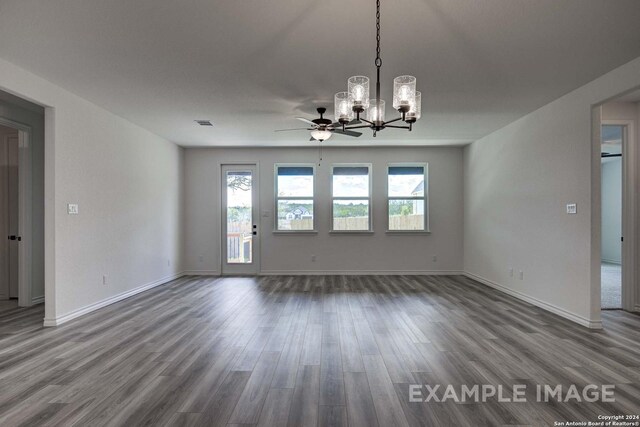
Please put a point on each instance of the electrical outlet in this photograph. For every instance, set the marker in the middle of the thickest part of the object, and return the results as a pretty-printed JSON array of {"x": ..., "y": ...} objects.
[
  {"x": 511, "y": 272},
  {"x": 313, "y": 258},
  {"x": 104, "y": 279},
  {"x": 168, "y": 263},
  {"x": 521, "y": 275},
  {"x": 435, "y": 258},
  {"x": 572, "y": 208},
  {"x": 201, "y": 258}
]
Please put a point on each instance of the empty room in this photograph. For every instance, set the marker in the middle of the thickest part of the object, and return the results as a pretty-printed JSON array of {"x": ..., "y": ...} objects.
[{"x": 302, "y": 213}]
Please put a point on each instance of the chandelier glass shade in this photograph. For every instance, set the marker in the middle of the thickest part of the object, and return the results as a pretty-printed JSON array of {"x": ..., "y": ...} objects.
[
  {"x": 375, "y": 112},
  {"x": 404, "y": 92},
  {"x": 415, "y": 108},
  {"x": 358, "y": 87},
  {"x": 406, "y": 99},
  {"x": 343, "y": 107}
]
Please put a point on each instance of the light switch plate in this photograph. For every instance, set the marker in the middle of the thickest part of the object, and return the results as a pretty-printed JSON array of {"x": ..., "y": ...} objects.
[
  {"x": 72, "y": 209},
  {"x": 572, "y": 208}
]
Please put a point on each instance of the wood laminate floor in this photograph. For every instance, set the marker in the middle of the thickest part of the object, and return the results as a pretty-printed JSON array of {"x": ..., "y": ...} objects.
[{"x": 307, "y": 351}]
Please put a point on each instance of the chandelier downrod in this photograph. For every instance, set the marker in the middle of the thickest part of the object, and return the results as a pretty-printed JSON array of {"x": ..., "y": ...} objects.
[{"x": 378, "y": 61}]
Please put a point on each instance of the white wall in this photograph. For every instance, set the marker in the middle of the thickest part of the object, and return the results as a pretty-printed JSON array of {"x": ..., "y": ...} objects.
[
  {"x": 518, "y": 181},
  {"x": 32, "y": 116},
  {"x": 335, "y": 253},
  {"x": 612, "y": 210},
  {"x": 128, "y": 184}
]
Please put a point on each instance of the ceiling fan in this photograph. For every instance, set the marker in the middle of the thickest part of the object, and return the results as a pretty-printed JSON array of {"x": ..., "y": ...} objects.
[{"x": 322, "y": 129}]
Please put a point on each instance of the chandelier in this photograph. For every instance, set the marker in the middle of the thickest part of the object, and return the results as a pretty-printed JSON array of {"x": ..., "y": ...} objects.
[{"x": 352, "y": 104}]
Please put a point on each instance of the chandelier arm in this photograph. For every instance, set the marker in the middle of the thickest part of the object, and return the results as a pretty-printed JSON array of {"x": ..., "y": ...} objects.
[
  {"x": 394, "y": 120},
  {"x": 397, "y": 127},
  {"x": 357, "y": 127},
  {"x": 366, "y": 121}
]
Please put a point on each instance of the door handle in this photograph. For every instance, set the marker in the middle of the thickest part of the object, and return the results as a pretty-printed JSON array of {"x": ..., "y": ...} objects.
[
  {"x": 255, "y": 233},
  {"x": 18, "y": 238}
]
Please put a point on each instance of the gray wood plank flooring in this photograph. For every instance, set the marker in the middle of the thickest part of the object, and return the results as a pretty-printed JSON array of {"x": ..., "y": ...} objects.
[{"x": 307, "y": 351}]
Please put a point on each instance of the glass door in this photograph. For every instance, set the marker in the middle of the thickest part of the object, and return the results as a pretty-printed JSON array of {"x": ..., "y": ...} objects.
[{"x": 240, "y": 247}]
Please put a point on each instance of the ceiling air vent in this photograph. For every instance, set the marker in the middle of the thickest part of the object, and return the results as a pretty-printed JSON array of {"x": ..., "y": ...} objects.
[{"x": 204, "y": 122}]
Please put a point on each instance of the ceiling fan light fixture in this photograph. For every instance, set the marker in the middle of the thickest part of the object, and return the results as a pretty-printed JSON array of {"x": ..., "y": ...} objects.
[{"x": 320, "y": 135}]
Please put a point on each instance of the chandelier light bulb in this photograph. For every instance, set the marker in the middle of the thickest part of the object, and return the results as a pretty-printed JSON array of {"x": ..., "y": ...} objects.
[
  {"x": 404, "y": 94},
  {"x": 358, "y": 92}
]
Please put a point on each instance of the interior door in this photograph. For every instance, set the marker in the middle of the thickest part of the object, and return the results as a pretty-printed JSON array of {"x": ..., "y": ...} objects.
[
  {"x": 240, "y": 233},
  {"x": 13, "y": 212},
  {"x": 9, "y": 213}
]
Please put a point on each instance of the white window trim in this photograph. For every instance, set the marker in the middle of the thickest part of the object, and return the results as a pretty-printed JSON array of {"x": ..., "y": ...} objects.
[
  {"x": 369, "y": 198},
  {"x": 425, "y": 197},
  {"x": 278, "y": 198}
]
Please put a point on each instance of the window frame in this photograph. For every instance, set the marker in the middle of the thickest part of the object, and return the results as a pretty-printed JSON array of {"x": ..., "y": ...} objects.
[
  {"x": 369, "y": 167},
  {"x": 277, "y": 198},
  {"x": 425, "y": 197}
]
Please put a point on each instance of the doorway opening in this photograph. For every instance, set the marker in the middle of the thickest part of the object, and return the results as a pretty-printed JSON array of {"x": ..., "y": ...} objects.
[
  {"x": 240, "y": 240},
  {"x": 616, "y": 123},
  {"x": 15, "y": 215},
  {"x": 612, "y": 136}
]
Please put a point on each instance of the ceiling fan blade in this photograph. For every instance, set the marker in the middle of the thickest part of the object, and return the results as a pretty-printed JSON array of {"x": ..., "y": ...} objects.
[
  {"x": 302, "y": 119},
  {"x": 338, "y": 125},
  {"x": 347, "y": 132},
  {"x": 312, "y": 139},
  {"x": 286, "y": 130}
]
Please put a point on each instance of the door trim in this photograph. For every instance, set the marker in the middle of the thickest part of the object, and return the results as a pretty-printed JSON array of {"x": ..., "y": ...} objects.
[
  {"x": 24, "y": 210},
  {"x": 257, "y": 247},
  {"x": 629, "y": 209}
]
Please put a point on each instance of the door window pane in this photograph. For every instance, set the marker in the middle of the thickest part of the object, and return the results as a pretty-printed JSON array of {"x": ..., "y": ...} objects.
[{"x": 239, "y": 217}]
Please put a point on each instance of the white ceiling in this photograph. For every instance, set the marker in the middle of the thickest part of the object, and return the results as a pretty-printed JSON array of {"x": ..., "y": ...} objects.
[{"x": 250, "y": 66}]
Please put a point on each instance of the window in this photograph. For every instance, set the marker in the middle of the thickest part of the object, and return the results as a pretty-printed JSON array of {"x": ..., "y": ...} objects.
[
  {"x": 351, "y": 197},
  {"x": 294, "y": 197},
  {"x": 407, "y": 189}
]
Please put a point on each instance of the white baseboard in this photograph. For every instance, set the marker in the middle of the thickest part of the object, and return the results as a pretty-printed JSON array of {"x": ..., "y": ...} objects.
[
  {"x": 583, "y": 321},
  {"x": 37, "y": 300},
  {"x": 612, "y": 261},
  {"x": 361, "y": 272},
  {"x": 105, "y": 302},
  {"x": 201, "y": 273}
]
